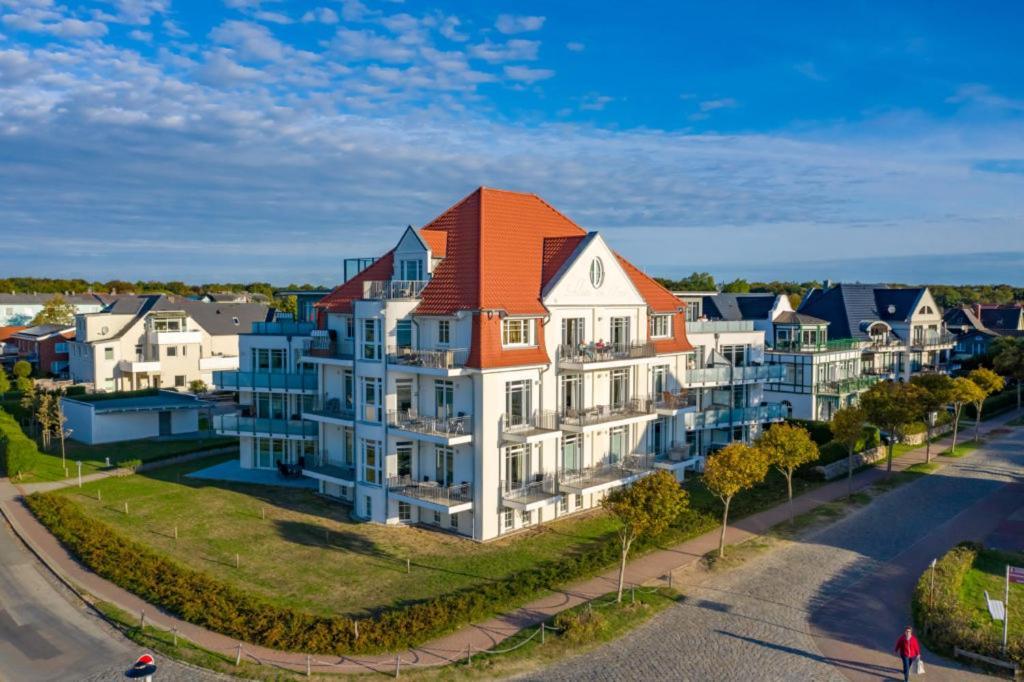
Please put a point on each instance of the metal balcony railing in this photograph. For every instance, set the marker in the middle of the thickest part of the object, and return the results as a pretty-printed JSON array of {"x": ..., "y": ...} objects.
[
  {"x": 393, "y": 288},
  {"x": 932, "y": 340},
  {"x": 677, "y": 452},
  {"x": 409, "y": 420},
  {"x": 543, "y": 487},
  {"x": 585, "y": 353},
  {"x": 675, "y": 400},
  {"x": 332, "y": 407},
  {"x": 539, "y": 420},
  {"x": 579, "y": 480},
  {"x": 237, "y": 425},
  {"x": 431, "y": 491},
  {"x": 264, "y": 380},
  {"x": 598, "y": 414},
  {"x": 440, "y": 358}
]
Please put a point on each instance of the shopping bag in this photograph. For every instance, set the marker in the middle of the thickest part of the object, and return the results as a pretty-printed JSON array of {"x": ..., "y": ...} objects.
[{"x": 920, "y": 666}]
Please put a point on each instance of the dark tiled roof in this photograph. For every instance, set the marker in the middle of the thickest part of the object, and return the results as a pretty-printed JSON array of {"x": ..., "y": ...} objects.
[
  {"x": 1001, "y": 318},
  {"x": 218, "y": 319},
  {"x": 44, "y": 330},
  {"x": 847, "y": 307},
  {"x": 739, "y": 306},
  {"x": 790, "y": 317}
]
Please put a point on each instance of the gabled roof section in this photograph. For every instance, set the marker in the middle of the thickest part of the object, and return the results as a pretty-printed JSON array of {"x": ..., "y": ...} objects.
[
  {"x": 1001, "y": 318},
  {"x": 558, "y": 253},
  {"x": 494, "y": 255},
  {"x": 341, "y": 297},
  {"x": 658, "y": 298},
  {"x": 791, "y": 317},
  {"x": 437, "y": 240},
  {"x": 847, "y": 307},
  {"x": 734, "y": 307}
]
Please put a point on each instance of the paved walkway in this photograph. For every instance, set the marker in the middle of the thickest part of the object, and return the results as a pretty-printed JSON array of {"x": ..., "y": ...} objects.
[
  {"x": 651, "y": 567},
  {"x": 829, "y": 606},
  {"x": 232, "y": 472}
]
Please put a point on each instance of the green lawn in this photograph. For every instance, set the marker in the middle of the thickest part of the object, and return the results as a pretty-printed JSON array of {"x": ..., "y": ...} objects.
[
  {"x": 961, "y": 449},
  {"x": 989, "y": 573},
  {"x": 48, "y": 466}
]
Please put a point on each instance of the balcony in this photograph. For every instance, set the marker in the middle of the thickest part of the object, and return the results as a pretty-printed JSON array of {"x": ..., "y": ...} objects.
[
  {"x": 324, "y": 348},
  {"x": 517, "y": 428},
  {"x": 265, "y": 381},
  {"x": 330, "y": 409},
  {"x": 933, "y": 341},
  {"x": 590, "y": 355},
  {"x": 725, "y": 375},
  {"x": 237, "y": 425},
  {"x": 442, "y": 430},
  {"x": 212, "y": 363},
  {"x": 339, "y": 474},
  {"x": 283, "y": 328},
  {"x": 720, "y": 418},
  {"x": 529, "y": 496},
  {"x": 138, "y": 366},
  {"x": 606, "y": 475},
  {"x": 670, "y": 403},
  {"x": 177, "y": 338},
  {"x": 678, "y": 457},
  {"x": 431, "y": 494},
  {"x": 846, "y": 386},
  {"x": 718, "y": 326},
  {"x": 885, "y": 344},
  {"x": 633, "y": 409},
  {"x": 394, "y": 289},
  {"x": 438, "y": 361},
  {"x": 829, "y": 346}
]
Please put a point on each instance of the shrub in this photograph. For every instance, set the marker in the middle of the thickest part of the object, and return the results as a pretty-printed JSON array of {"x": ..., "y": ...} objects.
[
  {"x": 820, "y": 432},
  {"x": 581, "y": 626},
  {"x": 18, "y": 452},
  {"x": 994, "y": 405},
  {"x": 130, "y": 464},
  {"x": 942, "y": 617},
  {"x": 211, "y": 603}
]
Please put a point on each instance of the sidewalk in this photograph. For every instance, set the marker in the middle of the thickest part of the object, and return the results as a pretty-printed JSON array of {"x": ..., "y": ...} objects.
[{"x": 473, "y": 638}]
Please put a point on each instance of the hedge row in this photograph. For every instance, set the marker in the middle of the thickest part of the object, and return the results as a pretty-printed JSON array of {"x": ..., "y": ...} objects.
[
  {"x": 994, "y": 405},
  {"x": 18, "y": 452},
  {"x": 942, "y": 617},
  {"x": 203, "y": 600}
]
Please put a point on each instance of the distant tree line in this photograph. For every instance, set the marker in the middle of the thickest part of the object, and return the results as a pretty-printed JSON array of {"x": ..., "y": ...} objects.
[
  {"x": 946, "y": 295},
  {"x": 48, "y": 285}
]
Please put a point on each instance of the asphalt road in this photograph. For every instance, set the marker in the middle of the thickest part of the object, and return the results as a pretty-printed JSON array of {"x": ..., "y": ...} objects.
[
  {"x": 46, "y": 636},
  {"x": 828, "y": 607}
]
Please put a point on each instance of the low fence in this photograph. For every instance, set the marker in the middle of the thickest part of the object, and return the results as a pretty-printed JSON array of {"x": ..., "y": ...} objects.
[{"x": 839, "y": 468}]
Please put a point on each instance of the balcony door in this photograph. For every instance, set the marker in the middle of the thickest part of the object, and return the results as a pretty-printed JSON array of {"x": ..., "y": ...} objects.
[
  {"x": 572, "y": 453},
  {"x": 573, "y": 332},
  {"x": 444, "y": 399},
  {"x": 403, "y": 395},
  {"x": 444, "y": 465},
  {"x": 618, "y": 442},
  {"x": 515, "y": 467},
  {"x": 517, "y": 402},
  {"x": 572, "y": 393},
  {"x": 620, "y": 332},
  {"x": 619, "y": 387},
  {"x": 657, "y": 436},
  {"x": 404, "y": 452}
]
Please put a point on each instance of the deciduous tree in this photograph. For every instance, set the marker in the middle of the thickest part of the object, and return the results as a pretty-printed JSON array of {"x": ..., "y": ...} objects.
[
  {"x": 5, "y": 383},
  {"x": 989, "y": 382},
  {"x": 847, "y": 427},
  {"x": 645, "y": 508},
  {"x": 56, "y": 311},
  {"x": 1008, "y": 359},
  {"x": 936, "y": 390},
  {"x": 787, "y": 446},
  {"x": 22, "y": 369},
  {"x": 892, "y": 406},
  {"x": 963, "y": 392},
  {"x": 731, "y": 470}
]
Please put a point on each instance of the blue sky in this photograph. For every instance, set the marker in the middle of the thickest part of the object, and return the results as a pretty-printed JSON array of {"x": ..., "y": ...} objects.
[{"x": 247, "y": 140}]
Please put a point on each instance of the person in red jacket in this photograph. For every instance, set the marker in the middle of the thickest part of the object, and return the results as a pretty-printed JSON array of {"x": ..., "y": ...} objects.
[{"x": 908, "y": 650}]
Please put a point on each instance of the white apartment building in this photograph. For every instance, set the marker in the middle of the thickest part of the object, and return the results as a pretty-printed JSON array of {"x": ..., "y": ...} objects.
[
  {"x": 20, "y": 309},
  {"x": 158, "y": 341},
  {"x": 501, "y": 367}
]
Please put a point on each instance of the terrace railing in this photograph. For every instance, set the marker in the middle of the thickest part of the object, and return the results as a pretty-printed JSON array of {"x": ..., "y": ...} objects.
[
  {"x": 393, "y": 288},
  {"x": 599, "y": 414},
  {"x": 585, "y": 353},
  {"x": 410, "y": 420},
  {"x": 264, "y": 380},
  {"x": 431, "y": 491},
  {"x": 539, "y": 420},
  {"x": 332, "y": 406},
  {"x": 438, "y": 358},
  {"x": 325, "y": 347}
]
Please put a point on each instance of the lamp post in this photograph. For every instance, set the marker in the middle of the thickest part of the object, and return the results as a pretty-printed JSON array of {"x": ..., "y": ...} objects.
[{"x": 79, "y": 463}]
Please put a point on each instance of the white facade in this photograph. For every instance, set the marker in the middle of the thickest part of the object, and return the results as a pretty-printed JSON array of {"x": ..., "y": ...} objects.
[{"x": 131, "y": 418}]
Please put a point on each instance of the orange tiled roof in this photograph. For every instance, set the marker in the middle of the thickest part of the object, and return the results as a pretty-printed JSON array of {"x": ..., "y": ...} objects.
[
  {"x": 341, "y": 297},
  {"x": 557, "y": 251},
  {"x": 8, "y": 332}
]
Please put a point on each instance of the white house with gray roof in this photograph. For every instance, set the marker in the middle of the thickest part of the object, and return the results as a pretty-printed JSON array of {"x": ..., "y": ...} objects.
[{"x": 159, "y": 341}]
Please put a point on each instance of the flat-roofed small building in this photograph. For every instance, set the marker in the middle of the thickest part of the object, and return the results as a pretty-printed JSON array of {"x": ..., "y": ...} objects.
[{"x": 98, "y": 418}]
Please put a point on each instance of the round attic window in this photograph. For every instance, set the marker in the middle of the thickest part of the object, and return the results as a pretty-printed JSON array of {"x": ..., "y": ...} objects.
[
  {"x": 103, "y": 330},
  {"x": 891, "y": 309},
  {"x": 596, "y": 273}
]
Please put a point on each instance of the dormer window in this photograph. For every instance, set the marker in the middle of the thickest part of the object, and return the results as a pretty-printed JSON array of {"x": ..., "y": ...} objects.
[
  {"x": 517, "y": 333},
  {"x": 661, "y": 326}
]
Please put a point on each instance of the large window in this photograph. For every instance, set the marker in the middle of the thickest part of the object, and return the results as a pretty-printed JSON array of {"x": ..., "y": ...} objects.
[
  {"x": 371, "y": 399},
  {"x": 572, "y": 393},
  {"x": 270, "y": 406},
  {"x": 371, "y": 339},
  {"x": 618, "y": 442},
  {"x": 572, "y": 452},
  {"x": 661, "y": 326},
  {"x": 404, "y": 452},
  {"x": 444, "y": 465},
  {"x": 269, "y": 359},
  {"x": 515, "y": 467},
  {"x": 269, "y": 452},
  {"x": 659, "y": 380},
  {"x": 412, "y": 269},
  {"x": 403, "y": 334},
  {"x": 403, "y": 394},
  {"x": 517, "y": 401},
  {"x": 371, "y": 461},
  {"x": 444, "y": 398},
  {"x": 619, "y": 387},
  {"x": 516, "y": 332},
  {"x": 620, "y": 332},
  {"x": 737, "y": 355},
  {"x": 444, "y": 332},
  {"x": 573, "y": 332}
]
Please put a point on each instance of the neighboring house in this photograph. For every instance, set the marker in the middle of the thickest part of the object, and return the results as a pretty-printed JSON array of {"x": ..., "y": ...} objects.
[
  {"x": 45, "y": 347},
  {"x": 726, "y": 374},
  {"x": 159, "y": 341},
  {"x": 275, "y": 387},
  {"x": 498, "y": 368},
  {"x": 8, "y": 348},
  {"x": 96, "y": 419},
  {"x": 820, "y": 375},
  {"x": 21, "y": 309},
  {"x": 975, "y": 327},
  {"x": 902, "y": 328},
  {"x": 306, "y": 300}
]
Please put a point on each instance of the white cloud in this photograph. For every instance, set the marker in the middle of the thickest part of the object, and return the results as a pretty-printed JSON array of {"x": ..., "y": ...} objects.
[
  {"x": 981, "y": 95},
  {"x": 809, "y": 70},
  {"x": 16, "y": 66},
  {"x": 324, "y": 15},
  {"x": 172, "y": 29},
  {"x": 251, "y": 41},
  {"x": 141, "y": 36},
  {"x": 574, "y": 46},
  {"x": 139, "y": 11},
  {"x": 220, "y": 69},
  {"x": 273, "y": 17},
  {"x": 511, "y": 23},
  {"x": 595, "y": 102},
  {"x": 353, "y": 10},
  {"x": 513, "y": 50},
  {"x": 450, "y": 29},
  {"x": 527, "y": 75},
  {"x": 365, "y": 44}
]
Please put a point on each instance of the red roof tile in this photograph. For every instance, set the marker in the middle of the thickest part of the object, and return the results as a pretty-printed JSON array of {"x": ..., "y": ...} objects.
[{"x": 341, "y": 297}]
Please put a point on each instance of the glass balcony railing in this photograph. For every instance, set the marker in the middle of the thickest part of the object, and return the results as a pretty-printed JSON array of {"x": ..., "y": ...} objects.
[
  {"x": 586, "y": 353},
  {"x": 932, "y": 340},
  {"x": 283, "y": 328},
  {"x": 718, "y": 418},
  {"x": 237, "y": 425},
  {"x": 440, "y": 358},
  {"x": 543, "y": 488},
  {"x": 848, "y": 385},
  {"x": 798, "y": 346},
  {"x": 711, "y": 326},
  {"x": 325, "y": 347},
  {"x": 724, "y": 374},
  {"x": 675, "y": 400},
  {"x": 264, "y": 380},
  {"x": 332, "y": 407}
]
